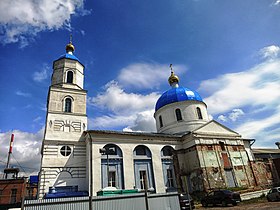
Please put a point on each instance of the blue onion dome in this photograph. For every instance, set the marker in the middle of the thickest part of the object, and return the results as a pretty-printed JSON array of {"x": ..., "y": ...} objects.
[{"x": 176, "y": 93}]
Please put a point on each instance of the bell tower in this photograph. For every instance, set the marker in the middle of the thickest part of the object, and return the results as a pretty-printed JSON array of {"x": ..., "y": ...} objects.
[
  {"x": 66, "y": 107},
  {"x": 63, "y": 162}
]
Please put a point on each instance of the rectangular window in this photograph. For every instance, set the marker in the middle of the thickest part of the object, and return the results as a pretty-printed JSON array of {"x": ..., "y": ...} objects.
[
  {"x": 142, "y": 179},
  {"x": 14, "y": 196},
  {"x": 222, "y": 145},
  {"x": 210, "y": 147},
  {"x": 112, "y": 179},
  {"x": 170, "y": 178}
]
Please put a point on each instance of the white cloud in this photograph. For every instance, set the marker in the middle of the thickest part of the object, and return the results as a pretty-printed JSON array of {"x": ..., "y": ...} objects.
[
  {"x": 254, "y": 90},
  {"x": 144, "y": 122},
  {"x": 222, "y": 118},
  {"x": 127, "y": 110},
  {"x": 20, "y": 93},
  {"x": 232, "y": 116},
  {"x": 39, "y": 76},
  {"x": 262, "y": 129},
  {"x": 253, "y": 87},
  {"x": 277, "y": 2},
  {"x": 20, "y": 22},
  {"x": 270, "y": 52},
  {"x": 115, "y": 99},
  {"x": 235, "y": 114},
  {"x": 147, "y": 75},
  {"x": 26, "y": 150}
]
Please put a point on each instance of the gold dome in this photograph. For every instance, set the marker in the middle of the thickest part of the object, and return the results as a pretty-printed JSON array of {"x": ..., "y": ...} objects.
[
  {"x": 70, "y": 47},
  {"x": 173, "y": 78}
]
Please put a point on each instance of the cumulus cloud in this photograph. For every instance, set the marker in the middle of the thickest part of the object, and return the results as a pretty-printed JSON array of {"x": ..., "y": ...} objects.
[
  {"x": 24, "y": 94},
  {"x": 20, "y": 22},
  {"x": 270, "y": 52},
  {"x": 254, "y": 90},
  {"x": 147, "y": 75},
  {"x": 116, "y": 100},
  {"x": 39, "y": 76},
  {"x": 252, "y": 87},
  {"x": 129, "y": 111},
  {"x": 144, "y": 121},
  {"x": 277, "y": 2},
  {"x": 232, "y": 116},
  {"x": 235, "y": 114},
  {"x": 26, "y": 150},
  {"x": 222, "y": 118}
]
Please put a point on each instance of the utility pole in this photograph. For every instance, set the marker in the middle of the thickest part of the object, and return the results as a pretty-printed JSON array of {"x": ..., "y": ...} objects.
[
  {"x": 146, "y": 191},
  {"x": 9, "y": 154}
]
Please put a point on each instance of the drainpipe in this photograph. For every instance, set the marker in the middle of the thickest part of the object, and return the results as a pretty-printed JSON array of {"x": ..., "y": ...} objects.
[
  {"x": 90, "y": 173},
  {"x": 218, "y": 160},
  {"x": 244, "y": 167},
  {"x": 255, "y": 179},
  {"x": 205, "y": 167}
]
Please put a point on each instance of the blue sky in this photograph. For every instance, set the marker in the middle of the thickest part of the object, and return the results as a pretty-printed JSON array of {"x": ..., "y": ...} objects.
[{"x": 228, "y": 51}]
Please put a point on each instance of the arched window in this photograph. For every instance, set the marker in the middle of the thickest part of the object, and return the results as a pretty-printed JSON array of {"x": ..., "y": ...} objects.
[
  {"x": 160, "y": 121},
  {"x": 167, "y": 151},
  {"x": 68, "y": 105},
  {"x": 69, "y": 77},
  {"x": 112, "y": 166},
  {"x": 178, "y": 114},
  {"x": 168, "y": 168},
  {"x": 143, "y": 169},
  {"x": 199, "y": 113}
]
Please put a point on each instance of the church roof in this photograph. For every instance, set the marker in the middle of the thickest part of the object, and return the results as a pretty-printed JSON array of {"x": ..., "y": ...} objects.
[
  {"x": 137, "y": 133},
  {"x": 69, "y": 56},
  {"x": 265, "y": 151},
  {"x": 177, "y": 94}
]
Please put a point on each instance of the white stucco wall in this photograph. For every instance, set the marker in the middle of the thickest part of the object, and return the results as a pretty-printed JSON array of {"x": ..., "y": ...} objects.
[
  {"x": 127, "y": 145},
  {"x": 190, "y": 119}
]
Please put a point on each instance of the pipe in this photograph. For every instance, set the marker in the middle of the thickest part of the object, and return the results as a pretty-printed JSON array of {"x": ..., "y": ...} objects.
[
  {"x": 90, "y": 172},
  {"x": 10, "y": 150}
]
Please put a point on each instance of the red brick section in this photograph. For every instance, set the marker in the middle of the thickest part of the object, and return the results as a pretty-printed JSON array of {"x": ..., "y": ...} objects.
[{"x": 7, "y": 186}]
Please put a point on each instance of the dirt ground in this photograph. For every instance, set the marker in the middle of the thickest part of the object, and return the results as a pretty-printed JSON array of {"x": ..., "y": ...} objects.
[{"x": 258, "y": 205}]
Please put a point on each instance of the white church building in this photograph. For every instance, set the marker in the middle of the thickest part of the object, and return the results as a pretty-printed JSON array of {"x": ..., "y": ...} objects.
[{"x": 188, "y": 149}]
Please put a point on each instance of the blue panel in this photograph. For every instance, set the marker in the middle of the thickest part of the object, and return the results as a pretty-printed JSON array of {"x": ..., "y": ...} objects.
[
  {"x": 34, "y": 179},
  {"x": 66, "y": 194},
  {"x": 177, "y": 94}
]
